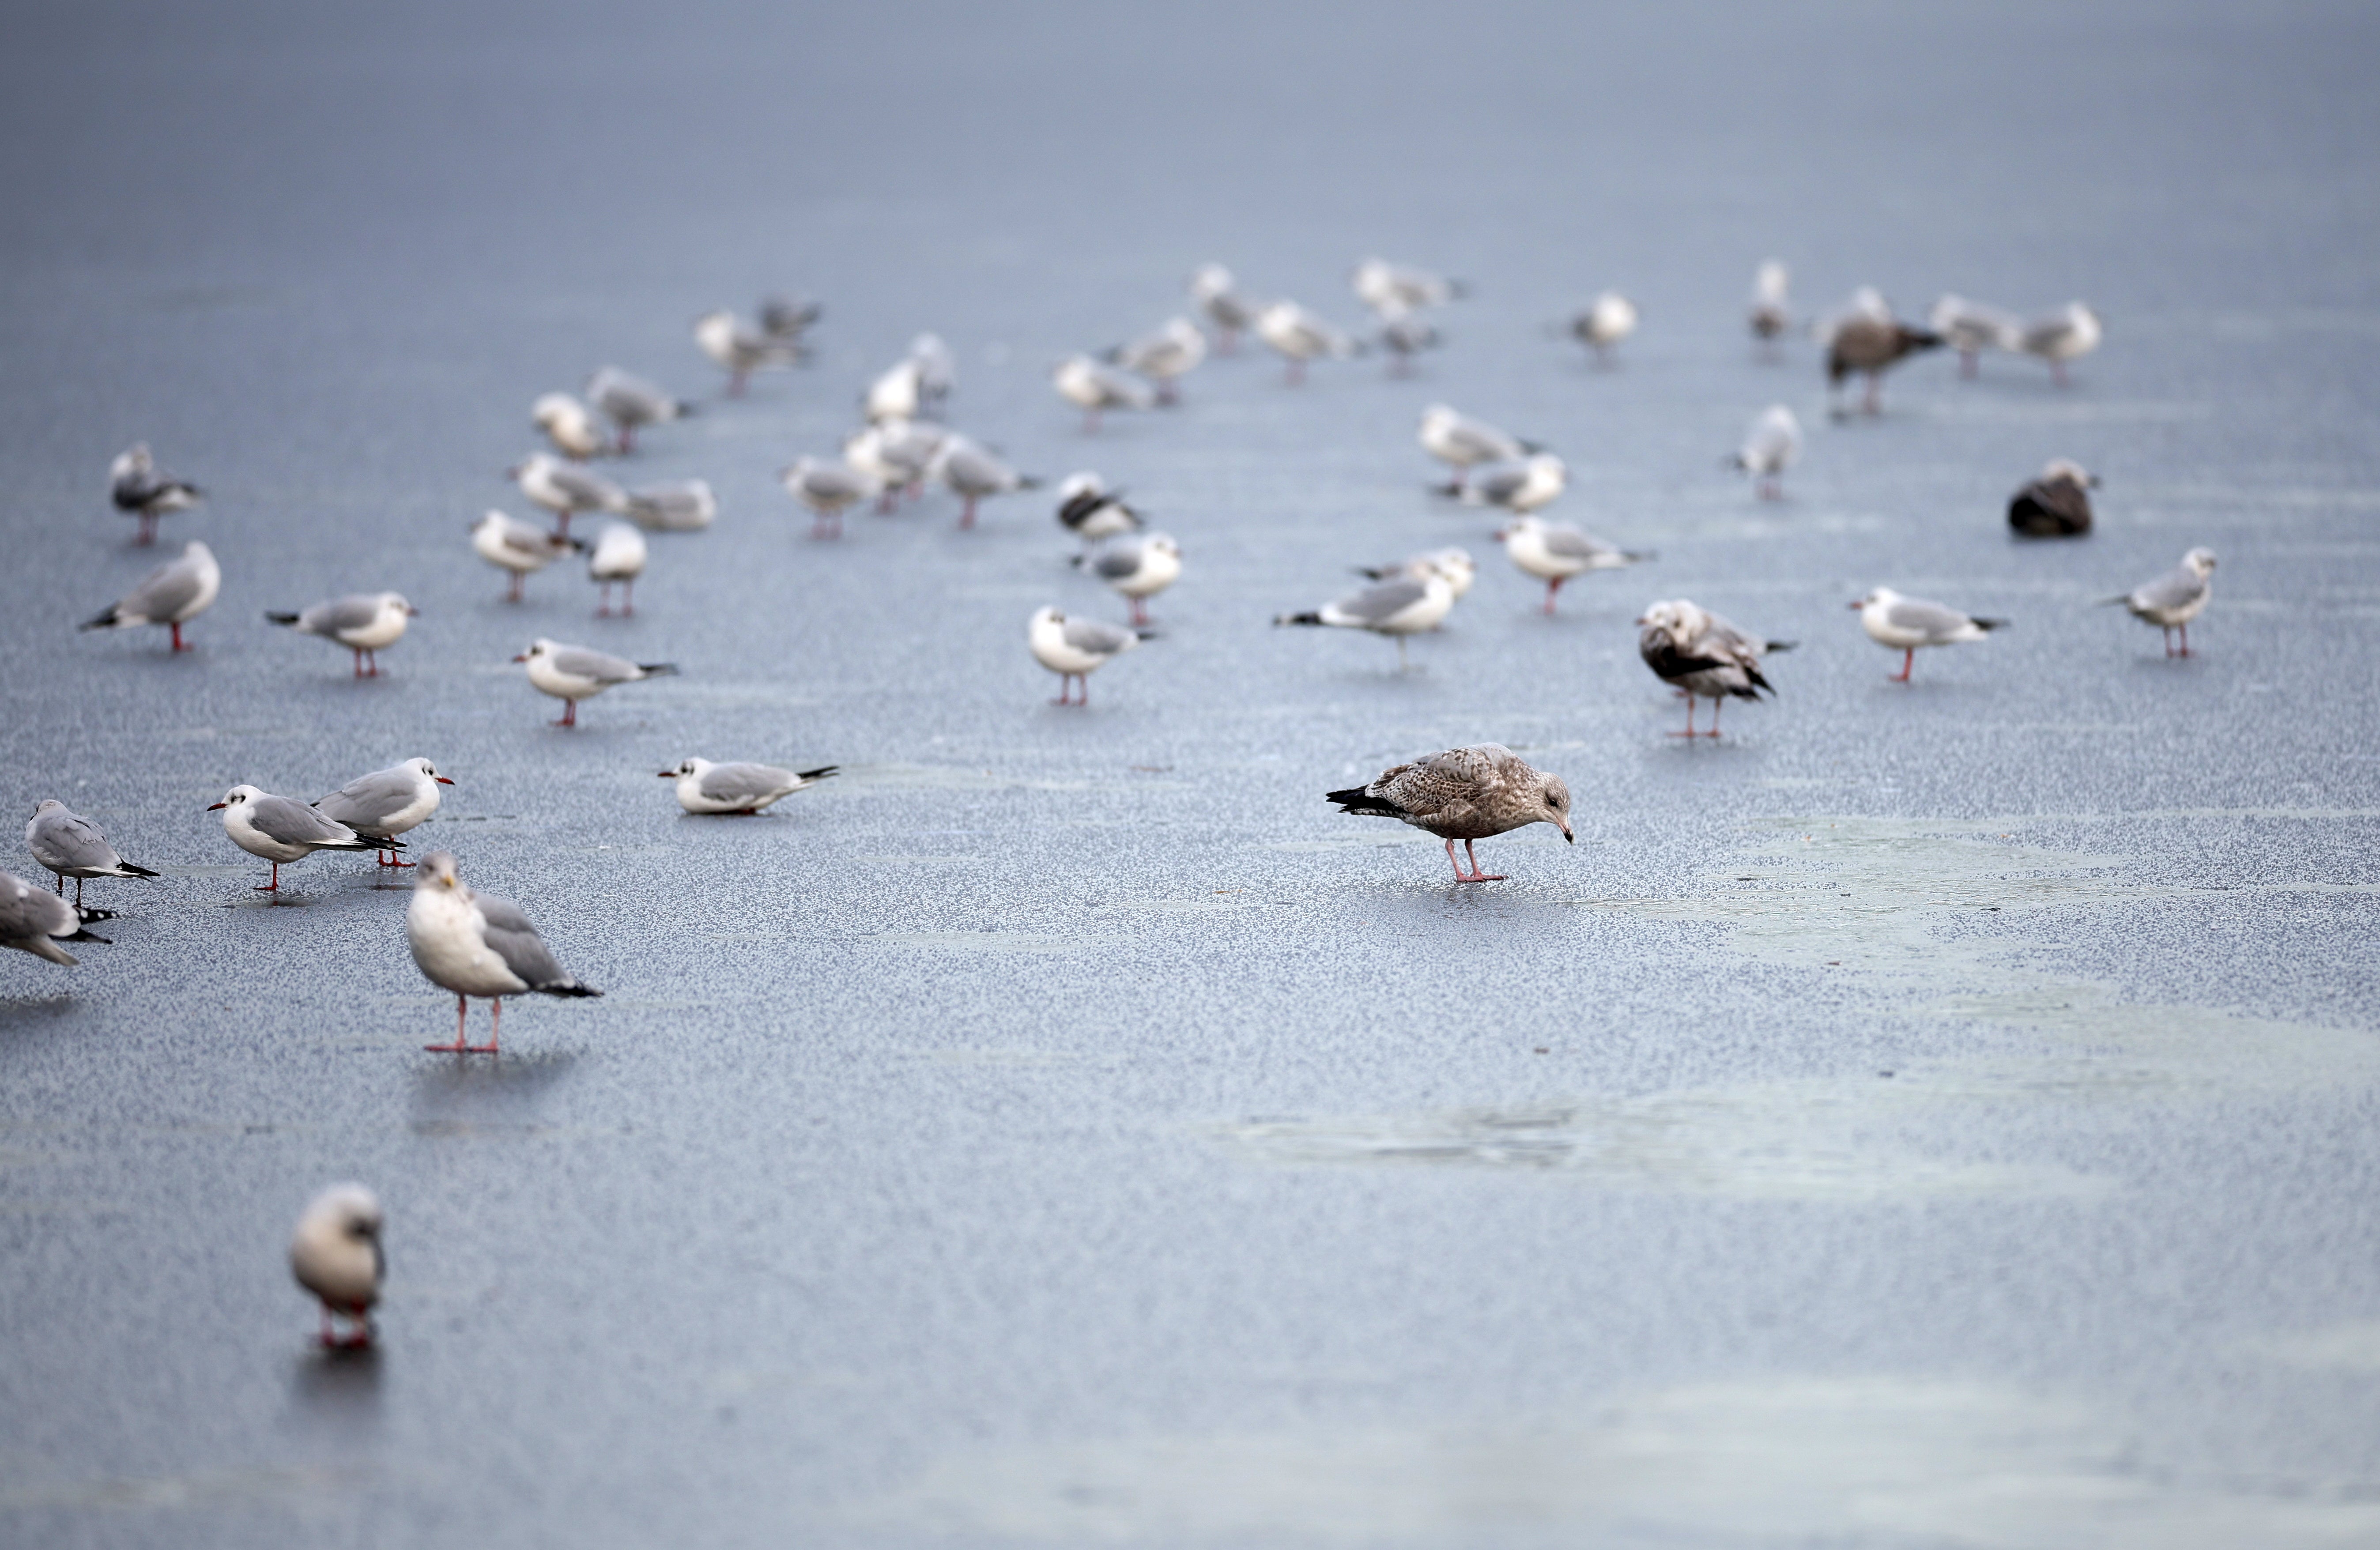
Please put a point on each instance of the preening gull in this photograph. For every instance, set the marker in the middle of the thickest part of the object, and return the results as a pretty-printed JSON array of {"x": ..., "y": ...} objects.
[
  {"x": 35, "y": 922},
  {"x": 1090, "y": 511},
  {"x": 619, "y": 557},
  {"x": 563, "y": 489},
  {"x": 1525, "y": 485},
  {"x": 571, "y": 674},
  {"x": 139, "y": 490},
  {"x": 1863, "y": 342},
  {"x": 385, "y": 804},
  {"x": 788, "y": 317},
  {"x": 742, "y": 789},
  {"x": 2175, "y": 599},
  {"x": 1906, "y": 624},
  {"x": 629, "y": 401},
  {"x": 1466, "y": 794},
  {"x": 1396, "y": 609},
  {"x": 518, "y": 548},
  {"x": 1456, "y": 564},
  {"x": 1971, "y": 328},
  {"x": 1095, "y": 389},
  {"x": 1771, "y": 311},
  {"x": 173, "y": 594},
  {"x": 335, "y": 1256},
  {"x": 1212, "y": 288},
  {"x": 569, "y": 425},
  {"x": 2056, "y": 505},
  {"x": 1299, "y": 336},
  {"x": 1390, "y": 288},
  {"x": 1461, "y": 441},
  {"x": 739, "y": 350},
  {"x": 1137, "y": 568},
  {"x": 65, "y": 843},
  {"x": 1164, "y": 356},
  {"x": 829, "y": 490},
  {"x": 1075, "y": 648},
  {"x": 973, "y": 474},
  {"x": 1604, "y": 322},
  {"x": 2072, "y": 331},
  {"x": 1555, "y": 551},
  {"x": 1772, "y": 445},
  {"x": 282, "y": 831},
  {"x": 365, "y": 623},
  {"x": 476, "y": 944},
  {"x": 679, "y": 506},
  {"x": 1703, "y": 656}
]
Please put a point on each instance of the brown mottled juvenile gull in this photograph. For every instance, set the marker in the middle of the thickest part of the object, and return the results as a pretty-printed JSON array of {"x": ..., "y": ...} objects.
[
  {"x": 2056, "y": 505},
  {"x": 2175, "y": 599},
  {"x": 1870, "y": 345},
  {"x": 1466, "y": 794},
  {"x": 65, "y": 843}
]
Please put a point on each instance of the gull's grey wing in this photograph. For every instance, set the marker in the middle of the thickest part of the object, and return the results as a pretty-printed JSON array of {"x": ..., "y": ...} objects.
[
  {"x": 510, "y": 938},
  {"x": 528, "y": 541},
  {"x": 579, "y": 663},
  {"x": 1495, "y": 482},
  {"x": 1571, "y": 544},
  {"x": 589, "y": 490},
  {"x": 164, "y": 591},
  {"x": 351, "y": 612},
  {"x": 1116, "y": 561},
  {"x": 1479, "y": 440},
  {"x": 294, "y": 823},
  {"x": 1090, "y": 635},
  {"x": 746, "y": 782},
  {"x": 2176, "y": 588},
  {"x": 1928, "y": 619},
  {"x": 1375, "y": 603},
  {"x": 828, "y": 481},
  {"x": 31, "y": 917},
  {"x": 368, "y": 801},
  {"x": 66, "y": 841}
]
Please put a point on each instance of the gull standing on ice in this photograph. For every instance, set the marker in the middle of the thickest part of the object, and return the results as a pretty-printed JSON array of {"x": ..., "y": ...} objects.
[
  {"x": 2056, "y": 505},
  {"x": 1772, "y": 445},
  {"x": 173, "y": 594},
  {"x": 335, "y": 1254},
  {"x": 2175, "y": 599},
  {"x": 1861, "y": 341},
  {"x": 518, "y": 548},
  {"x": 1462, "y": 442},
  {"x": 681, "y": 506},
  {"x": 385, "y": 804},
  {"x": 1456, "y": 564},
  {"x": 1404, "y": 335},
  {"x": 1525, "y": 485},
  {"x": 1555, "y": 551},
  {"x": 619, "y": 556},
  {"x": 35, "y": 922},
  {"x": 139, "y": 490},
  {"x": 1298, "y": 335},
  {"x": 282, "y": 831},
  {"x": 569, "y": 425},
  {"x": 1395, "y": 608},
  {"x": 1703, "y": 656},
  {"x": 1390, "y": 289},
  {"x": 2072, "y": 331},
  {"x": 571, "y": 674},
  {"x": 1971, "y": 328},
  {"x": 563, "y": 489},
  {"x": 1772, "y": 311},
  {"x": 740, "y": 351},
  {"x": 1467, "y": 795},
  {"x": 475, "y": 944},
  {"x": 829, "y": 490},
  {"x": 1906, "y": 624},
  {"x": 1139, "y": 568},
  {"x": 973, "y": 474},
  {"x": 1095, "y": 389},
  {"x": 1075, "y": 648},
  {"x": 65, "y": 843},
  {"x": 365, "y": 623},
  {"x": 1230, "y": 313},
  {"x": 1165, "y": 357},
  {"x": 1604, "y": 322},
  {"x": 788, "y": 317},
  {"x": 740, "y": 789},
  {"x": 1090, "y": 511},
  {"x": 629, "y": 401}
]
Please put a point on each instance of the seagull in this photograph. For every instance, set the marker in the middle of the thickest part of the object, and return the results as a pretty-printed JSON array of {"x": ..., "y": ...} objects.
[
  {"x": 1090, "y": 511},
  {"x": 173, "y": 594},
  {"x": 2072, "y": 331},
  {"x": 686, "y": 507},
  {"x": 1703, "y": 655},
  {"x": 518, "y": 548},
  {"x": 619, "y": 556},
  {"x": 1299, "y": 336},
  {"x": 71, "y": 845},
  {"x": 30, "y": 922},
  {"x": 335, "y": 1254},
  {"x": 788, "y": 317},
  {"x": 1456, "y": 564},
  {"x": 1390, "y": 289},
  {"x": 1466, "y": 794},
  {"x": 1172, "y": 352},
  {"x": 1770, "y": 309},
  {"x": 1772, "y": 445},
  {"x": 282, "y": 831},
  {"x": 2056, "y": 505},
  {"x": 1211, "y": 288},
  {"x": 1462, "y": 442},
  {"x": 2175, "y": 599},
  {"x": 629, "y": 401},
  {"x": 476, "y": 944},
  {"x": 571, "y": 674},
  {"x": 938, "y": 370},
  {"x": 138, "y": 489},
  {"x": 973, "y": 473},
  {"x": 1075, "y": 648},
  {"x": 385, "y": 804},
  {"x": 917, "y": 383},
  {"x": 569, "y": 425},
  {"x": 365, "y": 623},
  {"x": 563, "y": 489},
  {"x": 896, "y": 453},
  {"x": 1971, "y": 328},
  {"x": 1604, "y": 322},
  {"x": 740, "y": 350},
  {"x": 1095, "y": 389},
  {"x": 827, "y": 490},
  {"x": 1525, "y": 485},
  {"x": 1139, "y": 568},
  {"x": 741, "y": 789},
  {"x": 1555, "y": 551},
  {"x": 1906, "y": 624},
  {"x": 1395, "y": 608},
  {"x": 1862, "y": 341},
  {"x": 1404, "y": 335}
]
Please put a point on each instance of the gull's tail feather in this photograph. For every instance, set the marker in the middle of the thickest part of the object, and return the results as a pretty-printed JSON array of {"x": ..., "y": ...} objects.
[
  {"x": 272, "y": 617},
  {"x": 1355, "y": 799},
  {"x": 1307, "y": 618},
  {"x": 820, "y": 773},
  {"x": 657, "y": 670},
  {"x": 1991, "y": 624}
]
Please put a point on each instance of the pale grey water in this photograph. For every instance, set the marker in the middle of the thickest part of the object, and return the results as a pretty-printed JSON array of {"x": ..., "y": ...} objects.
[{"x": 1061, "y": 1128}]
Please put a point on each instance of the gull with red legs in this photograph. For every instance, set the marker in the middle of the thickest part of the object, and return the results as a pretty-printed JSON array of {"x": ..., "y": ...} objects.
[
  {"x": 475, "y": 944},
  {"x": 1467, "y": 795}
]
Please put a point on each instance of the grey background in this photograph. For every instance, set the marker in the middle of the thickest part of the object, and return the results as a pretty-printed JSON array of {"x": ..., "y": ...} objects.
[{"x": 1061, "y": 1128}]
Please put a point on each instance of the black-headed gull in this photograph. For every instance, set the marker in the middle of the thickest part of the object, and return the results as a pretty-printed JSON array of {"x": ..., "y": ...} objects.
[
  {"x": 1459, "y": 441},
  {"x": 740, "y": 350},
  {"x": 365, "y": 623},
  {"x": 1393, "y": 289},
  {"x": 1604, "y": 322},
  {"x": 1528, "y": 485},
  {"x": 1095, "y": 389},
  {"x": 1220, "y": 303},
  {"x": 742, "y": 789},
  {"x": 564, "y": 490},
  {"x": 335, "y": 1256},
  {"x": 679, "y": 506},
  {"x": 1703, "y": 656},
  {"x": 571, "y": 674},
  {"x": 630, "y": 402},
  {"x": 385, "y": 804},
  {"x": 619, "y": 557},
  {"x": 1299, "y": 336},
  {"x": 283, "y": 832},
  {"x": 2073, "y": 329},
  {"x": 475, "y": 944},
  {"x": 1971, "y": 328},
  {"x": 1555, "y": 551},
  {"x": 1164, "y": 356},
  {"x": 1771, "y": 445},
  {"x": 518, "y": 548},
  {"x": 2057, "y": 504},
  {"x": 1075, "y": 648},
  {"x": 2175, "y": 599},
  {"x": 1395, "y": 608},
  {"x": 974, "y": 473},
  {"x": 139, "y": 490},
  {"x": 35, "y": 922},
  {"x": 173, "y": 594},
  {"x": 1456, "y": 564},
  {"x": 1771, "y": 309},
  {"x": 1906, "y": 624},
  {"x": 1139, "y": 568},
  {"x": 829, "y": 490},
  {"x": 570, "y": 425},
  {"x": 1464, "y": 794},
  {"x": 71, "y": 845}
]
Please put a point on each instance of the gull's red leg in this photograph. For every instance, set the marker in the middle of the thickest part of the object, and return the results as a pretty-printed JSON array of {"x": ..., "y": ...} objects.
[
  {"x": 1479, "y": 875},
  {"x": 274, "y": 886},
  {"x": 1908, "y": 660},
  {"x": 177, "y": 639},
  {"x": 1553, "y": 586},
  {"x": 1690, "y": 717}
]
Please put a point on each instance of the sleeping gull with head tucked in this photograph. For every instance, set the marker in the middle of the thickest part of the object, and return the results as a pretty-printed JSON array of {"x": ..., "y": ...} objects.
[
  {"x": 385, "y": 804},
  {"x": 1396, "y": 609},
  {"x": 2056, "y": 505},
  {"x": 2175, "y": 599},
  {"x": 282, "y": 831},
  {"x": 1075, "y": 648},
  {"x": 475, "y": 944},
  {"x": 1703, "y": 656},
  {"x": 619, "y": 557},
  {"x": 173, "y": 594},
  {"x": 571, "y": 674},
  {"x": 365, "y": 623},
  {"x": 1906, "y": 624},
  {"x": 335, "y": 1254},
  {"x": 71, "y": 845},
  {"x": 139, "y": 490},
  {"x": 742, "y": 789},
  {"x": 1466, "y": 794},
  {"x": 569, "y": 425}
]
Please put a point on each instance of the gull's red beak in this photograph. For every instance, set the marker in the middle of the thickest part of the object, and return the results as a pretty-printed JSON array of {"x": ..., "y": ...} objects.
[
  {"x": 669, "y": 774},
  {"x": 411, "y": 612},
  {"x": 217, "y": 807},
  {"x": 441, "y": 780},
  {"x": 1859, "y": 605},
  {"x": 524, "y": 656}
]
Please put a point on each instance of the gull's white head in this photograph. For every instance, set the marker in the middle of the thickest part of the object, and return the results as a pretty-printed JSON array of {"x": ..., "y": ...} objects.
[
  {"x": 423, "y": 766},
  {"x": 438, "y": 871},
  {"x": 2067, "y": 468},
  {"x": 2200, "y": 560},
  {"x": 239, "y": 796},
  {"x": 1210, "y": 281}
]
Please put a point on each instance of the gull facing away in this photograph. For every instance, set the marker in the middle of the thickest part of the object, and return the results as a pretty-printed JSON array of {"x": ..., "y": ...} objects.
[
  {"x": 518, "y": 548},
  {"x": 139, "y": 490},
  {"x": 1299, "y": 336},
  {"x": 1090, "y": 511},
  {"x": 1138, "y": 568},
  {"x": 1971, "y": 328},
  {"x": 283, "y": 832},
  {"x": 1096, "y": 389},
  {"x": 1393, "y": 289},
  {"x": 2072, "y": 331},
  {"x": 740, "y": 789},
  {"x": 571, "y": 674},
  {"x": 1222, "y": 305},
  {"x": 1555, "y": 551},
  {"x": 1703, "y": 656},
  {"x": 2056, "y": 505},
  {"x": 1456, "y": 564},
  {"x": 173, "y": 594},
  {"x": 1863, "y": 342},
  {"x": 1466, "y": 794},
  {"x": 1461, "y": 443},
  {"x": 476, "y": 944},
  {"x": 788, "y": 317},
  {"x": 1526, "y": 486},
  {"x": 829, "y": 490},
  {"x": 739, "y": 350},
  {"x": 1075, "y": 648},
  {"x": 335, "y": 1256},
  {"x": 1771, "y": 311},
  {"x": 1164, "y": 356},
  {"x": 1906, "y": 624},
  {"x": 680, "y": 506},
  {"x": 973, "y": 474},
  {"x": 365, "y": 623},
  {"x": 1772, "y": 445},
  {"x": 619, "y": 556},
  {"x": 1395, "y": 608},
  {"x": 1604, "y": 322},
  {"x": 570, "y": 425},
  {"x": 35, "y": 922},
  {"x": 2175, "y": 599},
  {"x": 385, "y": 804},
  {"x": 628, "y": 401},
  {"x": 71, "y": 845},
  {"x": 563, "y": 489}
]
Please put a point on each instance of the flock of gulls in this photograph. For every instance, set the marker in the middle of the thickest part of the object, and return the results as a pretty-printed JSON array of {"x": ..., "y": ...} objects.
[{"x": 475, "y": 945}]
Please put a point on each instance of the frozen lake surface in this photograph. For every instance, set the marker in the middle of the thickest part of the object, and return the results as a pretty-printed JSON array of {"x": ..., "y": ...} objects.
[{"x": 1932, "y": 1115}]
